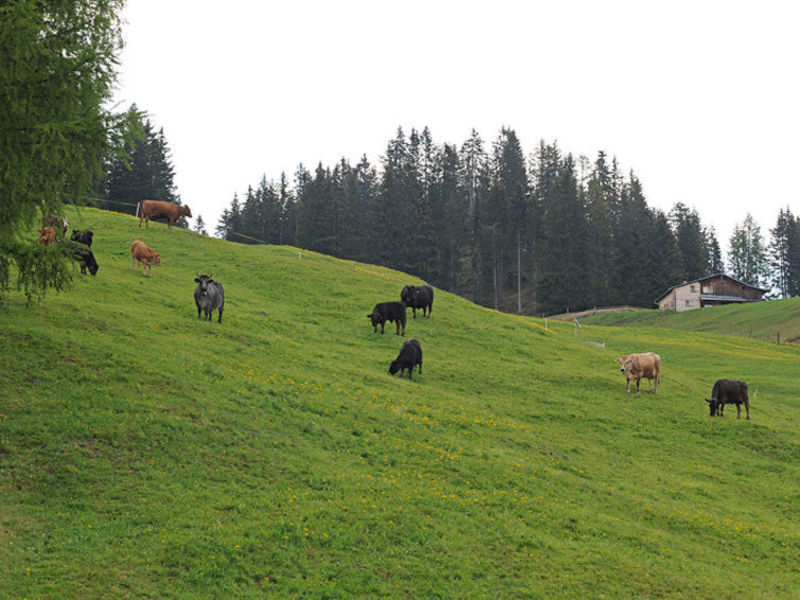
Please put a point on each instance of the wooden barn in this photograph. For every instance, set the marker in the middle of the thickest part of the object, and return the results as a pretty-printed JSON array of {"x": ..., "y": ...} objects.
[{"x": 709, "y": 291}]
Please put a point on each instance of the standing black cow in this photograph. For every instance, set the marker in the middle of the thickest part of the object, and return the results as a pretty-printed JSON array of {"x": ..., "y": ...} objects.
[
  {"x": 728, "y": 391},
  {"x": 209, "y": 296},
  {"x": 418, "y": 296},
  {"x": 388, "y": 311},
  {"x": 82, "y": 236},
  {"x": 409, "y": 357}
]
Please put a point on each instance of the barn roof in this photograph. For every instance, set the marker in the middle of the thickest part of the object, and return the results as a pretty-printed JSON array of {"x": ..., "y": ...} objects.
[{"x": 708, "y": 278}]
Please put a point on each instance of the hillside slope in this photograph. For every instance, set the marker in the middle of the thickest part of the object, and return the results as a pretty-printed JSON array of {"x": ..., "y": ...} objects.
[
  {"x": 774, "y": 320},
  {"x": 144, "y": 453}
]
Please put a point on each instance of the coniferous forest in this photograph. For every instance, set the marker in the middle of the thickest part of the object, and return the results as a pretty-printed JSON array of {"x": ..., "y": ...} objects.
[{"x": 537, "y": 232}]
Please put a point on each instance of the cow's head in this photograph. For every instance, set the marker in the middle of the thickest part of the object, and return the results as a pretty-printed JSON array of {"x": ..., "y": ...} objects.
[
  {"x": 628, "y": 366},
  {"x": 203, "y": 281},
  {"x": 394, "y": 367},
  {"x": 407, "y": 293},
  {"x": 620, "y": 360},
  {"x": 375, "y": 317},
  {"x": 91, "y": 263},
  {"x": 713, "y": 407},
  {"x": 156, "y": 259},
  {"x": 185, "y": 210}
]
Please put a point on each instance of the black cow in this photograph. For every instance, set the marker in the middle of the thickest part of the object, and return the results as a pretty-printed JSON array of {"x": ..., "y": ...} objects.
[
  {"x": 85, "y": 259},
  {"x": 389, "y": 311},
  {"x": 209, "y": 296},
  {"x": 728, "y": 391},
  {"x": 82, "y": 236},
  {"x": 409, "y": 357},
  {"x": 418, "y": 296}
]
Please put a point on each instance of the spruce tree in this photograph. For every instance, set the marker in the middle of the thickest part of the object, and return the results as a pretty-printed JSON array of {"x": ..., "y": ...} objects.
[
  {"x": 691, "y": 241},
  {"x": 145, "y": 172},
  {"x": 747, "y": 255},
  {"x": 200, "y": 226},
  {"x": 602, "y": 210},
  {"x": 563, "y": 249},
  {"x": 784, "y": 249}
]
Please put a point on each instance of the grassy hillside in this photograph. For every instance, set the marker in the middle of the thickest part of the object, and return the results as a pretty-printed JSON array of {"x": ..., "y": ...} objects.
[
  {"x": 146, "y": 454},
  {"x": 762, "y": 320}
]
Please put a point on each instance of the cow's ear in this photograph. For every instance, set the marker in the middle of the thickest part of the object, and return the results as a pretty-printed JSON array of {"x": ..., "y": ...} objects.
[
  {"x": 707, "y": 400},
  {"x": 197, "y": 280}
]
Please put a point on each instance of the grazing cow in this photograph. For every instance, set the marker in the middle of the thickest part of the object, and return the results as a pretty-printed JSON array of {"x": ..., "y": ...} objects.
[
  {"x": 729, "y": 391},
  {"x": 148, "y": 258},
  {"x": 85, "y": 258},
  {"x": 209, "y": 296},
  {"x": 156, "y": 209},
  {"x": 59, "y": 224},
  {"x": 47, "y": 236},
  {"x": 409, "y": 357},
  {"x": 418, "y": 296},
  {"x": 82, "y": 236},
  {"x": 389, "y": 311},
  {"x": 636, "y": 366}
]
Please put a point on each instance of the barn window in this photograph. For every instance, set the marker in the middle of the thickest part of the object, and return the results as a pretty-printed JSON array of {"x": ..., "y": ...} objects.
[
  {"x": 707, "y": 289},
  {"x": 693, "y": 289}
]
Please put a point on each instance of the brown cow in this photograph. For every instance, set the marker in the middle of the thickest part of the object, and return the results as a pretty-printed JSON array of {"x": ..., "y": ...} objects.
[
  {"x": 59, "y": 225},
  {"x": 636, "y": 366},
  {"x": 47, "y": 236},
  {"x": 156, "y": 209},
  {"x": 148, "y": 258}
]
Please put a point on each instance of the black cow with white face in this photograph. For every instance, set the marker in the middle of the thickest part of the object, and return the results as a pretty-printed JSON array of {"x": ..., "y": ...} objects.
[{"x": 209, "y": 296}]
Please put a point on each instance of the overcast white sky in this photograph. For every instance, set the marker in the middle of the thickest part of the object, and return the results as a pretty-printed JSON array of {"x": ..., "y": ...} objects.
[{"x": 700, "y": 99}]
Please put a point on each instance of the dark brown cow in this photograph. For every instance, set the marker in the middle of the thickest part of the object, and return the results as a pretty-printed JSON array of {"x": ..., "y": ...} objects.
[{"x": 156, "y": 209}]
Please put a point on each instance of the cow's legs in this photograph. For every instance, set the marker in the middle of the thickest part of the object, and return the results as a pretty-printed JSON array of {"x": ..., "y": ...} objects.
[
  {"x": 220, "y": 316},
  {"x": 382, "y": 324},
  {"x": 638, "y": 382}
]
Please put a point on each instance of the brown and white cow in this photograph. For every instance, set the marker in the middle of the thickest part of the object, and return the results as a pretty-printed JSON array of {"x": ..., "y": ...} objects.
[
  {"x": 156, "y": 209},
  {"x": 59, "y": 225},
  {"x": 47, "y": 236},
  {"x": 140, "y": 252},
  {"x": 636, "y": 366}
]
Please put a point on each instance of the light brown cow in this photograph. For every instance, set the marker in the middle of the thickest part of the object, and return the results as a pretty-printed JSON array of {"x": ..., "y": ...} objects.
[
  {"x": 47, "y": 236},
  {"x": 156, "y": 209},
  {"x": 148, "y": 258},
  {"x": 636, "y": 366}
]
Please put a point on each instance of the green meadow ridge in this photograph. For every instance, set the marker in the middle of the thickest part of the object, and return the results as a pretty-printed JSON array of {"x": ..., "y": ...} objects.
[{"x": 146, "y": 454}]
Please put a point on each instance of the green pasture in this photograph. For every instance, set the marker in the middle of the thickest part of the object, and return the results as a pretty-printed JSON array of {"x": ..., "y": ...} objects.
[
  {"x": 775, "y": 320},
  {"x": 146, "y": 454}
]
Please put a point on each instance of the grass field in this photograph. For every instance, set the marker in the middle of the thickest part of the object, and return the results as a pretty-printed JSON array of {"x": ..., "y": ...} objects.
[
  {"x": 775, "y": 321},
  {"x": 146, "y": 454}
]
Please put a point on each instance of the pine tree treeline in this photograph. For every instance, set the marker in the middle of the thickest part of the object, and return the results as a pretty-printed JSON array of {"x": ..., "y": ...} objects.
[
  {"x": 544, "y": 233},
  {"x": 144, "y": 171}
]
